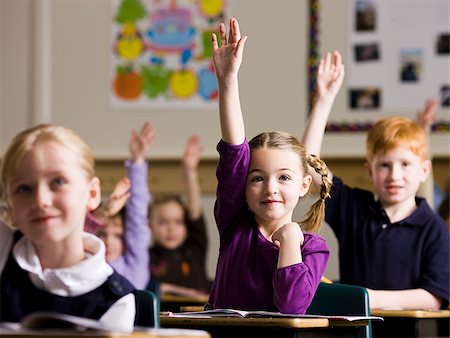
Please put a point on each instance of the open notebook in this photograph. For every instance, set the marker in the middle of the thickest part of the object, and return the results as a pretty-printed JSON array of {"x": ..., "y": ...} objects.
[
  {"x": 260, "y": 314},
  {"x": 60, "y": 321}
]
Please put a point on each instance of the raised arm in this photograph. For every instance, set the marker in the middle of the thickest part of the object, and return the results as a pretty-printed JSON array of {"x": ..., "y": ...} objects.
[
  {"x": 191, "y": 158},
  {"x": 330, "y": 75},
  {"x": 140, "y": 142},
  {"x": 227, "y": 59},
  {"x": 137, "y": 231},
  {"x": 425, "y": 118}
]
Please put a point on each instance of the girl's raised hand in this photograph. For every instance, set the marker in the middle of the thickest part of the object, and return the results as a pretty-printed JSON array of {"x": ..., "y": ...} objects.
[
  {"x": 192, "y": 153},
  {"x": 140, "y": 142},
  {"x": 228, "y": 57},
  {"x": 330, "y": 76},
  {"x": 115, "y": 201}
]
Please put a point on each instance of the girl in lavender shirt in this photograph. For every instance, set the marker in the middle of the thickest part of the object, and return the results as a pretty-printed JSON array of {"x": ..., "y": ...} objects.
[
  {"x": 266, "y": 261},
  {"x": 125, "y": 230}
]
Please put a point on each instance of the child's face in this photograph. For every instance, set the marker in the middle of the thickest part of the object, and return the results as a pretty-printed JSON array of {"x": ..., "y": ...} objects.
[
  {"x": 275, "y": 182},
  {"x": 167, "y": 223},
  {"x": 112, "y": 235},
  {"x": 49, "y": 194},
  {"x": 397, "y": 175}
]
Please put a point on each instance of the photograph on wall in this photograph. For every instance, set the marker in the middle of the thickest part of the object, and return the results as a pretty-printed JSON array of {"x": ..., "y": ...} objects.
[
  {"x": 445, "y": 96},
  {"x": 410, "y": 65},
  {"x": 161, "y": 52},
  {"x": 365, "y": 15},
  {"x": 443, "y": 44},
  {"x": 367, "y": 52},
  {"x": 365, "y": 98}
]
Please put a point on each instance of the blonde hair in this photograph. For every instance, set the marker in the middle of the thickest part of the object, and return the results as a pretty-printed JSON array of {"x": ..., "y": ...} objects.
[
  {"x": 26, "y": 140},
  {"x": 285, "y": 141},
  {"x": 392, "y": 132}
]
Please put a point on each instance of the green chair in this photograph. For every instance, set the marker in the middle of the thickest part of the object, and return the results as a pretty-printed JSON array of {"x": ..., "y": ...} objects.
[
  {"x": 147, "y": 309},
  {"x": 342, "y": 300}
]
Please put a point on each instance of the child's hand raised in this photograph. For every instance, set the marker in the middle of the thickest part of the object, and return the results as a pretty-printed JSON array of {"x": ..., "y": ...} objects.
[
  {"x": 228, "y": 57},
  {"x": 330, "y": 76},
  {"x": 115, "y": 201},
  {"x": 426, "y": 117},
  {"x": 192, "y": 153},
  {"x": 140, "y": 142}
]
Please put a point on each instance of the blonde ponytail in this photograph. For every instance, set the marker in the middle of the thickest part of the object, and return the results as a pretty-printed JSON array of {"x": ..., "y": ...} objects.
[{"x": 316, "y": 213}]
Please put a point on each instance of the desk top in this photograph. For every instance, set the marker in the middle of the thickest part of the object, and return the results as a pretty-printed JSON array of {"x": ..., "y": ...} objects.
[
  {"x": 149, "y": 333},
  {"x": 411, "y": 313},
  {"x": 290, "y": 323},
  {"x": 168, "y": 298}
]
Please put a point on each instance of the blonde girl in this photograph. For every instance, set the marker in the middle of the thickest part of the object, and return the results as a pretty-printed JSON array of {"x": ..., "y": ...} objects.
[{"x": 47, "y": 262}]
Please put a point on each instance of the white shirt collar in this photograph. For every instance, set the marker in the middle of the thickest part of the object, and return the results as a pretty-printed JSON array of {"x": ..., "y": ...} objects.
[{"x": 75, "y": 280}]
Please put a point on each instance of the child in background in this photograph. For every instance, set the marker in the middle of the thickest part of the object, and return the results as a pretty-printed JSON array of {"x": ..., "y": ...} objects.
[
  {"x": 47, "y": 182},
  {"x": 125, "y": 230},
  {"x": 392, "y": 243},
  {"x": 178, "y": 255},
  {"x": 266, "y": 261}
]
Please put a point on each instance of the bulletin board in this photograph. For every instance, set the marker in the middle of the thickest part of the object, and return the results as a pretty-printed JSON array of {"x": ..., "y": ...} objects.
[{"x": 396, "y": 56}]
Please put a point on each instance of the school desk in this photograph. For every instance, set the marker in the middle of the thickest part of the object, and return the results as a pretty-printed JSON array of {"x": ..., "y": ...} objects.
[
  {"x": 267, "y": 327},
  {"x": 149, "y": 333},
  {"x": 174, "y": 303},
  {"x": 411, "y": 323}
]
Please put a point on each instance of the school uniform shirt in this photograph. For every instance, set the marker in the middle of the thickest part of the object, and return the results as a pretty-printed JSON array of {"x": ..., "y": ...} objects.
[
  {"x": 247, "y": 276},
  {"x": 184, "y": 266},
  {"x": 377, "y": 254},
  {"x": 87, "y": 281}
]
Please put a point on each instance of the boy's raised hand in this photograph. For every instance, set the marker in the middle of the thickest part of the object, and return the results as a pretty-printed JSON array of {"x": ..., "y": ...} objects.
[
  {"x": 192, "y": 153},
  {"x": 140, "y": 142},
  {"x": 330, "y": 75},
  {"x": 228, "y": 57},
  {"x": 426, "y": 117}
]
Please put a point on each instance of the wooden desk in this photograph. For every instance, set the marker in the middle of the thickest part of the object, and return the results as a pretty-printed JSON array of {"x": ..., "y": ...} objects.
[
  {"x": 411, "y": 323},
  {"x": 150, "y": 333},
  {"x": 268, "y": 327},
  {"x": 174, "y": 303}
]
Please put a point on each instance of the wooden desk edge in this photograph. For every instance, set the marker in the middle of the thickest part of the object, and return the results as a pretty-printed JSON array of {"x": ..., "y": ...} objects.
[
  {"x": 255, "y": 322},
  {"x": 59, "y": 334},
  {"x": 411, "y": 313},
  {"x": 166, "y": 298}
]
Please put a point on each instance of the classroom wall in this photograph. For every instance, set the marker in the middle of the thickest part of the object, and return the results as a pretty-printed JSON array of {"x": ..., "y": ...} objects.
[{"x": 54, "y": 66}]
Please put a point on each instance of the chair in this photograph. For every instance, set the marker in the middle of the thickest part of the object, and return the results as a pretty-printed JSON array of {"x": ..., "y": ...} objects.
[
  {"x": 147, "y": 309},
  {"x": 342, "y": 300}
]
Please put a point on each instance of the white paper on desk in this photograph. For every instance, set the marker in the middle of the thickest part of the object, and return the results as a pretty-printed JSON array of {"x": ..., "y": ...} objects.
[{"x": 54, "y": 320}]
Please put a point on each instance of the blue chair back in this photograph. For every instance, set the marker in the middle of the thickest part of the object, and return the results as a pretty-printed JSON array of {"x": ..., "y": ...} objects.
[
  {"x": 342, "y": 300},
  {"x": 147, "y": 309}
]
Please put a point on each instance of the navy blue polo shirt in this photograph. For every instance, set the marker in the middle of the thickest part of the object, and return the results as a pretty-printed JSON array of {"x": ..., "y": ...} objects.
[{"x": 377, "y": 254}]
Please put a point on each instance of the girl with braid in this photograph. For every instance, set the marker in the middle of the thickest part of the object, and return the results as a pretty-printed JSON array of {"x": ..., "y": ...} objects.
[{"x": 266, "y": 260}]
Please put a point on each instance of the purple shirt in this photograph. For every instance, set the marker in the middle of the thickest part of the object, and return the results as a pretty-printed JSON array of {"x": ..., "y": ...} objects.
[
  {"x": 247, "y": 276},
  {"x": 134, "y": 262}
]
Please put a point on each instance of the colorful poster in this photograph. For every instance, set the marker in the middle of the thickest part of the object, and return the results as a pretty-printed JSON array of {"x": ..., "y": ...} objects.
[{"x": 161, "y": 52}]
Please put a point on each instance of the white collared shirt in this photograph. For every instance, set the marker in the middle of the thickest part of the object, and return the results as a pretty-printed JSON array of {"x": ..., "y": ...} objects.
[{"x": 72, "y": 281}]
